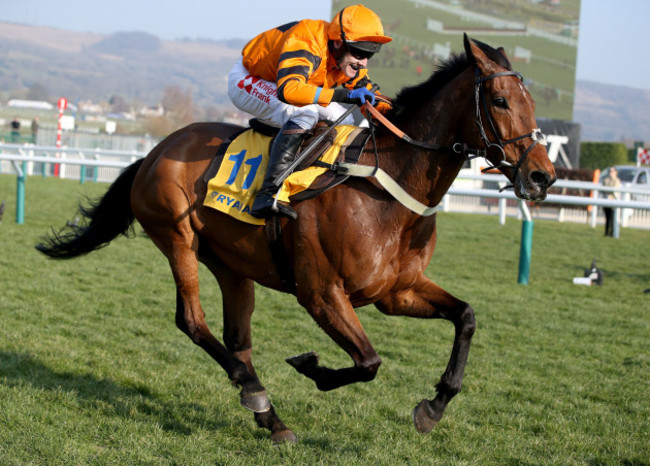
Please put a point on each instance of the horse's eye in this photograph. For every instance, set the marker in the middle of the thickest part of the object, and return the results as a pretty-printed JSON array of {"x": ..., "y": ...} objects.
[{"x": 500, "y": 102}]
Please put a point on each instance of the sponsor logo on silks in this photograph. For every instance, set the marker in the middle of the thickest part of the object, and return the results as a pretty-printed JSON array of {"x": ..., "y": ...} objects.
[
  {"x": 257, "y": 88},
  {"x": 231, "y": 202},
  {"x": 247, "y": 83}
]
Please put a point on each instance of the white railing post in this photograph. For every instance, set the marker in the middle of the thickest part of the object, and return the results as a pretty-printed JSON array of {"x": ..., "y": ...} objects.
[
  {"x": 30, "y": 165},
  {"x": 502, "y": 211},
  {"x": 594, "y": 209},
  {"x": 625, "y": 213},
  {"x": 445, "y": 203},
  {"x": 62, "y": 166}
]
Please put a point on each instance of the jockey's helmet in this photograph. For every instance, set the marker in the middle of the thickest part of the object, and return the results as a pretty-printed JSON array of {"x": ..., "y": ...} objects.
[{"x": 359, "y": 28}]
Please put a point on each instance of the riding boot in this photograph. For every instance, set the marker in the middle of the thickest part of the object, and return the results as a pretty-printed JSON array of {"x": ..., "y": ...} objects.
[{"x": 283, "y": 152}]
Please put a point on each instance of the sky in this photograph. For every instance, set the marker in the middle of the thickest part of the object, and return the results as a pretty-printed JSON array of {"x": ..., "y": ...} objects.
[{"x": 612, "y": 39}]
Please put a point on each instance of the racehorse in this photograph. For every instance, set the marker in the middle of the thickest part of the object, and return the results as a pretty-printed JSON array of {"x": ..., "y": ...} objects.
[{"x": 351, "y": 246}]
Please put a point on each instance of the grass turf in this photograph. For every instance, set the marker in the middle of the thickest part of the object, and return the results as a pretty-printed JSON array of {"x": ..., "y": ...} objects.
[{"x": 93, "y": 370}]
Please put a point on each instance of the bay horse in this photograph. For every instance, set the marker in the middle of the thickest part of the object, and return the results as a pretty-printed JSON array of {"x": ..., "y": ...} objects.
[{"x": 351, "y": 246}]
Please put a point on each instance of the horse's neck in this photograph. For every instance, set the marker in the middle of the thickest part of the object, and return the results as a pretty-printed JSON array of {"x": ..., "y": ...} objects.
[{"x": 427, "y": 175}]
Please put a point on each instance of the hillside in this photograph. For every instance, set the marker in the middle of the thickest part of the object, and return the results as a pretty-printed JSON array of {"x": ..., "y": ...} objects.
[
  {"x": 134, "y": 65},
  {"x": 138, "y": 66},
  {"x": 612, "y": 113}
]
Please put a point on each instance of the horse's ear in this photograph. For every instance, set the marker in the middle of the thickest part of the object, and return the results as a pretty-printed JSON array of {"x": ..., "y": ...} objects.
[
  {"x": 502, "y": 51},
  {"x": 475, "y": 54},
  {"x": 468, "y": 49}
]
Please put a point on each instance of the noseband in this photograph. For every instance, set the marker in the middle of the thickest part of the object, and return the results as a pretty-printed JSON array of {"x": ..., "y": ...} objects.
[{"x": 535, "y": 135}]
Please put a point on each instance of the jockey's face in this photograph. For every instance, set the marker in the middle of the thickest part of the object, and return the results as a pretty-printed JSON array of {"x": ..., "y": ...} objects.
[{"x": 350, "y": 63}]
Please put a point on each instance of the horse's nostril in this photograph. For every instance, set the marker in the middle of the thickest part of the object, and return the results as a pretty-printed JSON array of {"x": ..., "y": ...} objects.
[{"x": 541, "y": 179}]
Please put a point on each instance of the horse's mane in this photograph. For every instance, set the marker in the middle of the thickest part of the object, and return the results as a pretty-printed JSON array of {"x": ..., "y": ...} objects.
[{"x": 411, "y": 98}]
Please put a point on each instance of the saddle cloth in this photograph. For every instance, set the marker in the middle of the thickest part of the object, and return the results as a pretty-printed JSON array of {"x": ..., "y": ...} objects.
[{"x": 243, "y": 166}]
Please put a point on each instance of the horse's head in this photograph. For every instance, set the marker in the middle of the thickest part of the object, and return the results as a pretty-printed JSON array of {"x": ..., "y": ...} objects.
[{"x": 505, "y": 115}]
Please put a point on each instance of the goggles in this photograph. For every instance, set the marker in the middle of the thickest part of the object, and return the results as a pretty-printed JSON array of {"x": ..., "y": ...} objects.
[{"x": 360, "y": 54}]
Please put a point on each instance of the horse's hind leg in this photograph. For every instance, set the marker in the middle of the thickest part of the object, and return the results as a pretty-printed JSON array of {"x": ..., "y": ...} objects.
[
  {"x": 238, "y": 305},
  {"x": 425, "y": 299}
]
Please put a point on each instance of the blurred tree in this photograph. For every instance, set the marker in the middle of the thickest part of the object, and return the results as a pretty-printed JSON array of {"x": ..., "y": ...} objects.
[
  {"x": 158, "y": 126},
  {"x": 37, "y": 91},
  {"x": 119, "y": 104},
  {"x": 602, "y": 154},
  {"x": 178, "y": 105},
  {"x": 179, "y": 111},
  {"x": 212, "y": 113}
]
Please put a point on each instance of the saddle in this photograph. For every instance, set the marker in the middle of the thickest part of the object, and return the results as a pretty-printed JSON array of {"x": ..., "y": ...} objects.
[
  {"x": 236, "y": 173},
  {"x": 350, "y": 153}
]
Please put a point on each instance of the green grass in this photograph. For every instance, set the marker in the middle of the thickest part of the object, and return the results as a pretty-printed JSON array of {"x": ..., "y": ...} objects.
[{"x": 93, "y": 370}]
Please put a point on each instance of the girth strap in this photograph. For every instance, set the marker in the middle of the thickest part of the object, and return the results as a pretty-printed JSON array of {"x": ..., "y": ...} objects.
[
  {"x": 273, "y": 232},
  {"x": 390, "y": 185}
]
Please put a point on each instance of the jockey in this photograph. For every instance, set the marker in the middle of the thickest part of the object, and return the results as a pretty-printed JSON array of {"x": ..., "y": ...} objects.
[{"x": 299, "y": 73}]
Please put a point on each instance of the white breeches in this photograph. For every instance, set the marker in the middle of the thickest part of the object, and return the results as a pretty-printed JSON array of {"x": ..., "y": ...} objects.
[{"x": 260, "y": 98}]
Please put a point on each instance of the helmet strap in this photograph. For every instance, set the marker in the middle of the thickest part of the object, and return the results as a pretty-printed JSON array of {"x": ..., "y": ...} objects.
[{"x": 345, "y": 41}]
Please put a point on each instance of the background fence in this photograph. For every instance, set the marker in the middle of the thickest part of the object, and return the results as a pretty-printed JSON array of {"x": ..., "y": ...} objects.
[
  {"x": 556, "y": 207},
  {"x": 46, "y": 136},
  {"x": 69, "y": 161},
  {"x": 470, "y": 193}
]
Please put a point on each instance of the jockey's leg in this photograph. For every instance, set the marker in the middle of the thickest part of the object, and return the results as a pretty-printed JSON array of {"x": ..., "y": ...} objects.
[
  {"x": 335, "y": 110},
  {"x": 283, "y": 152},
  {"x": 294, "y": 121}
]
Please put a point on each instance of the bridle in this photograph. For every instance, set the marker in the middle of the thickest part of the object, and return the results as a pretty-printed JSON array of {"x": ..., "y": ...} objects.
[
  {"x": 391, "y": 186},
  {"x": 535, "y": 135}
]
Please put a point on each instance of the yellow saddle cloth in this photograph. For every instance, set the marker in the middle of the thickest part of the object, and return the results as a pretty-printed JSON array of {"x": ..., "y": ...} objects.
[{"x": 240, "y": 176}]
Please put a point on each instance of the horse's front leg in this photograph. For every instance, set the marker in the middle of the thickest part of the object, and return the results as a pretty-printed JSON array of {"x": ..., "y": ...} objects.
[
  {"x": 333, "y": 312},
  {"x": 425, "y": 299}
]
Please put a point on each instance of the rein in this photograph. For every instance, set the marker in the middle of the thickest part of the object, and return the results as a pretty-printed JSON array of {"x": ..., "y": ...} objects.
[{"x": 458, "y": 147}]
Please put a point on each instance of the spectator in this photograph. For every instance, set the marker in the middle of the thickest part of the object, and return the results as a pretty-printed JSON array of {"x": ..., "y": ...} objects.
[
  {"x": 15, "y": 130},
  {"x": 34, "y": 129},
  {"x": 611, "y": 180}
]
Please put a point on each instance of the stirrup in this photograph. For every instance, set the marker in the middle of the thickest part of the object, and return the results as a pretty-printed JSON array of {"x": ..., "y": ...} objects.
[
  {"x": 268, "y": 207},
  {"x": 284, "y": 209}
]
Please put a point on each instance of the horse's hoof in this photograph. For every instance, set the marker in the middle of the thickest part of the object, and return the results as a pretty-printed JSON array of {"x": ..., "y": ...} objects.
[
  {"x": 257, "y": 402},
  {"x": 303, "y": 361},
  {"x": 422, "y": 417},
  {"x": 284, "y": 436}
]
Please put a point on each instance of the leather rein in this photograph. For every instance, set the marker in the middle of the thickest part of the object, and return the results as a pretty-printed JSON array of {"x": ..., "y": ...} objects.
[{"x": 535, "y": 135}]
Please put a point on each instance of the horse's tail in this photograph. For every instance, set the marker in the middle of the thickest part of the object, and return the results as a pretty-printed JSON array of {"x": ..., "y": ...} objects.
[{"x": 108, "y": 218}]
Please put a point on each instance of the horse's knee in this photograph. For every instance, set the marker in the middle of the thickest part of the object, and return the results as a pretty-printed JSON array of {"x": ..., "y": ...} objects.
[
  {"x": 189, "y": 327},
  {"x": 194, "y": 332},
  {"x": 466, "y": 322},
  {"x": 369, "y": 368},
  {"x": 181, "y": 324},
  {"x": 469, "y": 321}
]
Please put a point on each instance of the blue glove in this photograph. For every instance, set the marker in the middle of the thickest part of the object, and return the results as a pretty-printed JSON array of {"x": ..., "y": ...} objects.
[{"x": 362, "y": 94}]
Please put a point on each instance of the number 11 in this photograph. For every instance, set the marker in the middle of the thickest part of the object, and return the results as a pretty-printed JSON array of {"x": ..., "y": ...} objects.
[{"x": 254, "y": 163}]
